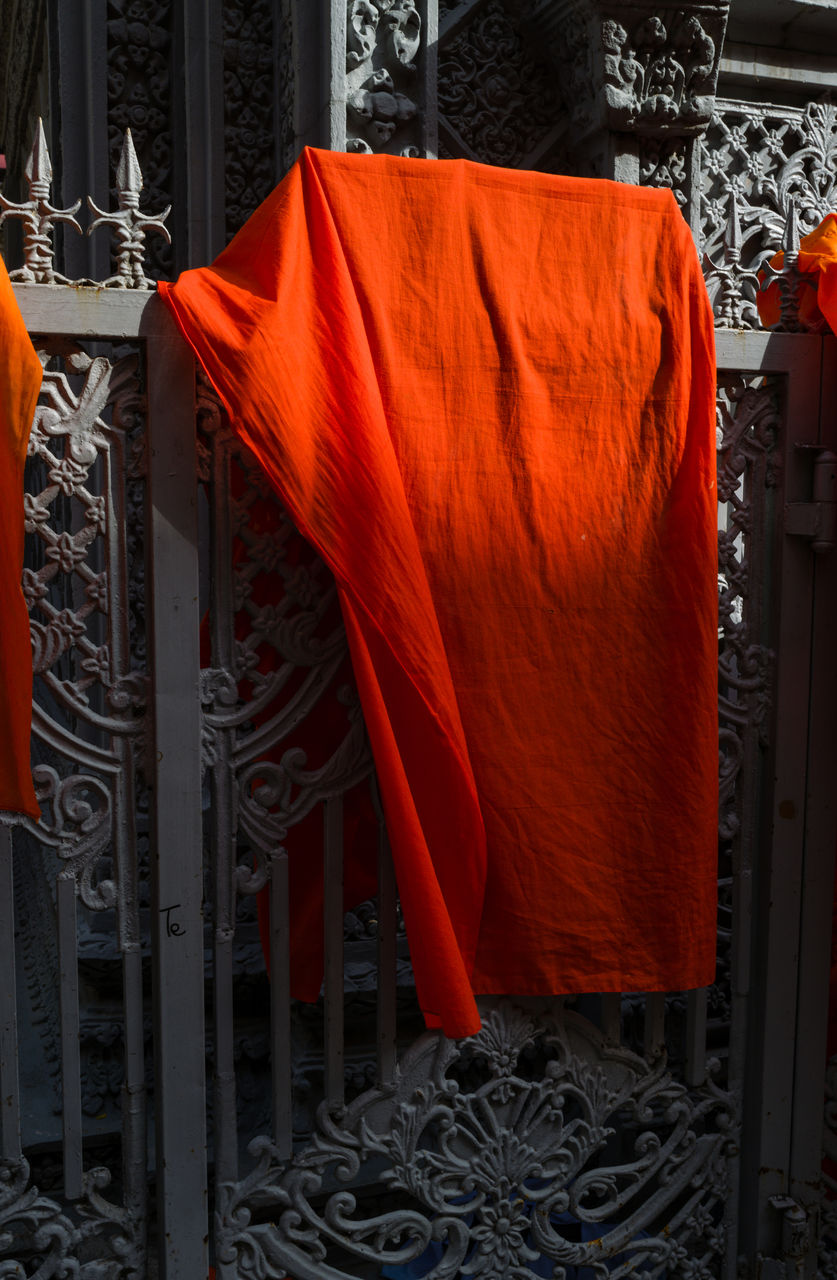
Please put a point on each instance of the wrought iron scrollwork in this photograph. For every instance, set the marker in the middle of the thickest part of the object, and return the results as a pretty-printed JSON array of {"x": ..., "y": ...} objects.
[
  {"x": 39, "y": 1239},
  {"x": 494, "y": 1153},
  {"x": 89, "y": 727}
]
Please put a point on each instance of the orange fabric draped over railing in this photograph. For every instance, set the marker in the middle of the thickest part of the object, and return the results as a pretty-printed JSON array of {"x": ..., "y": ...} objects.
[
  {"x": 20, "y": 381},
  {"x": 486, "y": 397}
]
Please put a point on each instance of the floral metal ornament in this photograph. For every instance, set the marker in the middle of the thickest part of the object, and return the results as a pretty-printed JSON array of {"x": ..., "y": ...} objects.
[{"x": 534, "y": 1141}]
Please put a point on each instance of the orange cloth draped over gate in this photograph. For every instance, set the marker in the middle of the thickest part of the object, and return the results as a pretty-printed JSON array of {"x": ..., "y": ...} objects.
[
  {"x": 487, "y": 398},
  {"x": 816, "y": 292},
  {"x": 20, "y": 381}
]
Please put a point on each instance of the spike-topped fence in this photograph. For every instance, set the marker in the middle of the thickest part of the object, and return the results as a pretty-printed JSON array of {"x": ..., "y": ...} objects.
[
  {"x": 39, "y": 217},
  {"x": 600, "y": 1137},
  {"x": 734, "y": 287},
  {"x": 115, "y": 861}
]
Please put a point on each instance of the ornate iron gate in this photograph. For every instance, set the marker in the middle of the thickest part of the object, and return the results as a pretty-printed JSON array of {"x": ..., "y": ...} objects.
[{"x": 668, "y": 1135}]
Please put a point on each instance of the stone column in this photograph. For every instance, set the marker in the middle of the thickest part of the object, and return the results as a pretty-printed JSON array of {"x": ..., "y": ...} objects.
[{"x": 366, "y": 75}]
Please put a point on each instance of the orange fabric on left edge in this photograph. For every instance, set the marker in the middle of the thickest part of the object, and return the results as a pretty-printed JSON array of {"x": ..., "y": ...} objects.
[
  {"x": 20, "y": 381},
  {"x": 486, "y": 397}
]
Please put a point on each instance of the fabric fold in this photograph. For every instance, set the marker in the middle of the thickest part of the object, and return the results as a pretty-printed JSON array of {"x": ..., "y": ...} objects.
[
  {"x": 487, "y": 399},
  {"x": 816, "y": 290},
  {"x": 20, "y": 382}
]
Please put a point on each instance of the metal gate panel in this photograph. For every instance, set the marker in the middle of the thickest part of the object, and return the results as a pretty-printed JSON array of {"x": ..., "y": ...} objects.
[
  {"x": 787, "y": 863},
  {"x": 624, "y": 1054},
  {"x": 169, "y": 746},
  {"x": 807, "y": 1186},
  {"x": 605, "y": 1135}
]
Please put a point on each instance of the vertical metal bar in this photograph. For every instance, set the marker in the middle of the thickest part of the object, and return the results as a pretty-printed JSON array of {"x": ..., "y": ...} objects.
[
  {"x": 333, "y": 929},
  {"x": 222, "y": 838},
  {"x": 696, "y": 1009},
  {"x": 177, "y": 863},
  {"x": 225, "y": 1128},
  {"x": 70, "y": 1038},
  {"x": 280, "y": 1006},
  {"x": 386, "y": 959},
  {"x": 816, "y": 918},
  {"x": 134, "y": 1127},
  {"x": 611, "y": 1016},
  {"x": 9, "y": 1076},
  {"x": 654, "y": 1034},
  {"x": 692, "y": 211},
  {"x": 769, "y": 854},
  {"x": 778, "y": 868},
  {"x": 134, "y": 1138}
]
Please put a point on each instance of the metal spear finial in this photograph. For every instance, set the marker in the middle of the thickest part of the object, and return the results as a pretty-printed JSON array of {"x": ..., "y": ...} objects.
[
  {"x": 732, "y": 235},
  {"x": 38, "y": 169},
  {"x": 728, "y": 279},
  {"x": 38, "y": 216},
  {"x": 128, "y": 174},
  {"x": 129, "y": 223},
  {"x": 788, "y": 278},
  {"x": 790, "y": 238}
]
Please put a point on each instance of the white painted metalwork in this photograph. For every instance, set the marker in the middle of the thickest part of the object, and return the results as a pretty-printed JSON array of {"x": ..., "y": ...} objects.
[
  {"x": 39, "y": 218},
  {"x": 608, "y": 1135},
  {"x": 129, "y": 223}
]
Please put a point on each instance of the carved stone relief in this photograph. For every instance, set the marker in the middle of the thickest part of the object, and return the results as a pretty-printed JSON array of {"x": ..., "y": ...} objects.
[
  {"x": 285, "y": 123},
  {"x": 498, "y": 103},
  {"x": 22, "y": 64},
  {"x": 249, "y": 169},
  {"x": 660, "y": 70},
  {"x": 383, "y": 82},
  {"x": 664, "y": 162},
  {"x": 139, "y": 98},
  {"x": 627, "y": 69}
]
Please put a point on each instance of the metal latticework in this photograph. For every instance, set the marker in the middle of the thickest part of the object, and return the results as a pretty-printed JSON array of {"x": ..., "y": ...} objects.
[{"x": 195, "y": 719}]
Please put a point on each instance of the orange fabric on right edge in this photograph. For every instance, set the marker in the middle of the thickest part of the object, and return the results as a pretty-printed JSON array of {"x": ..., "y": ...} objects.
[
  {"x": 20, "y": 381},
  {"x": 816, "y": 295},
  {"x": 487, "y": 399}
]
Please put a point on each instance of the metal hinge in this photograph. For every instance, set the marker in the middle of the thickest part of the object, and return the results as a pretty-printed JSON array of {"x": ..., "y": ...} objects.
[
  {"x": 817, "y": 520},
  {"x": 795, "y": 1245}
]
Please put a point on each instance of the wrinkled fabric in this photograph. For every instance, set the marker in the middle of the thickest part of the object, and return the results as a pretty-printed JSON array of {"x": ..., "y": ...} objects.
[
  {"x": 20, "y": 381},
  {"x": 816, "y": 291},
  {"x": 486, "y": 397}
]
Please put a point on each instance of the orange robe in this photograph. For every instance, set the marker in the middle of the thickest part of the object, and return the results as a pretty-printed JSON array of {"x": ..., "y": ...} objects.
[
  {"x": 816, "y": 292},
  {"x": 20, "y": 381},
  {"x": 486, "y": 397}
]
